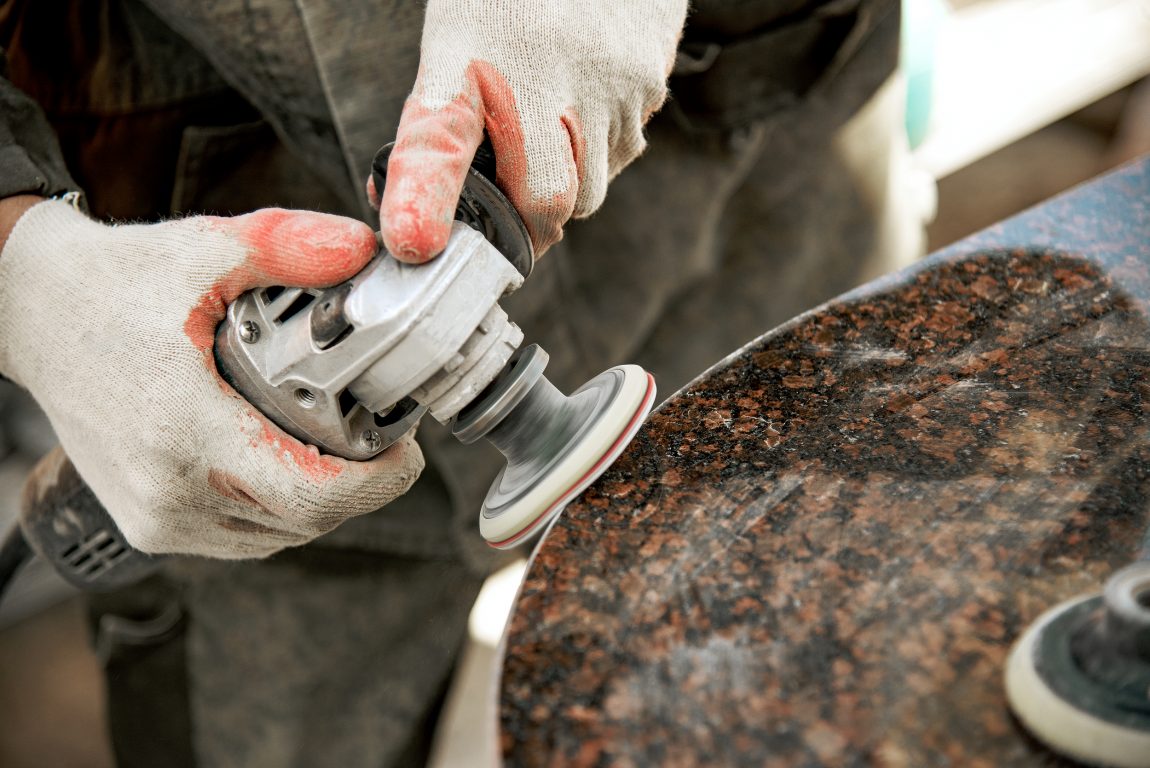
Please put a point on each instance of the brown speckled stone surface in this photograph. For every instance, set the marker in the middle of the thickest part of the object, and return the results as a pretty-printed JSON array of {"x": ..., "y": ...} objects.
[{"x": 820, "y": 552}]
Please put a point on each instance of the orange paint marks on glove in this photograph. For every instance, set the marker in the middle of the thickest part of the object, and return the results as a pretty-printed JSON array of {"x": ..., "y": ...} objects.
[
  {"x": 544, "y": 217},
  {"x": 303, "y": 248},
  {"x": 306, "y": 457},
  {"x": 561, "y": 87},
  {"x": 434, "y": 149},
  {"x": 299, "y": 249},
  {"x": 290, "y": 248}
]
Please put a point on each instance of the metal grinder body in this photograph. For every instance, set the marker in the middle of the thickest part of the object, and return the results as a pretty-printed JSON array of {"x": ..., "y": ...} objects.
[
  {"x": 353, "y": 368},
  {"x": 350, "y": 370}
]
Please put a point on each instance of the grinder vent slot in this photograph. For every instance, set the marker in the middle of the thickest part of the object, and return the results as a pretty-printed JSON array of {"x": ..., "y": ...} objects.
[
  {"x": 398, "y": 411},
  {"x": 347, "y": 329},
  {"x": 301, "y": 302},
  {"x": 98, "y": 552},
  {"x": 347, "y": 402}
]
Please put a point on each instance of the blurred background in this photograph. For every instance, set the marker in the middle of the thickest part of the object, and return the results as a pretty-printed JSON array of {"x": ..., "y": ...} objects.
[{"x": 1008, "y": 103}]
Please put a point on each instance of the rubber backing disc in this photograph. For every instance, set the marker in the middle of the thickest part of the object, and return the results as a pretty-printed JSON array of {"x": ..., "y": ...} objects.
[{"x": 510, "y": 515}]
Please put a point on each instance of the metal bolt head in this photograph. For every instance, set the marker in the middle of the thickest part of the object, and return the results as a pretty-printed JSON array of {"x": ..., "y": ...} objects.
[
  {"x": 371, "y": 440},
  {"x": 249, "y": 332}
]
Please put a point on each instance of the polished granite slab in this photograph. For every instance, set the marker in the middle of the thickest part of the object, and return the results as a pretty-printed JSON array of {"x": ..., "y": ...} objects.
[{"x": 820, "y": 552}]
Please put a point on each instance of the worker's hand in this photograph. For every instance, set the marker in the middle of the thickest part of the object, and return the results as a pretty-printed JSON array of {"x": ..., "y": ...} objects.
[
  {"x": 562, "y": 87},
  {"x": 111, "y": 329}
]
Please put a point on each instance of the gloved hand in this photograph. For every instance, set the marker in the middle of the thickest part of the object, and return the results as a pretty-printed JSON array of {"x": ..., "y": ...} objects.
[
  {"x": 111, "y": 329},
  {"x": 562, "y": 87}
]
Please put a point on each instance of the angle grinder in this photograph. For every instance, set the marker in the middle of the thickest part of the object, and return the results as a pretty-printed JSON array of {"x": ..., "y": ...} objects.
[{"x": 352, "y": 368}]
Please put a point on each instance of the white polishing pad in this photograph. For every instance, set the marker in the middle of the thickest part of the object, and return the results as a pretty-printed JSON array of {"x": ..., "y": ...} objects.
[
  {"x": 1057, "y": 723},
  {"x": 579, "y": 465}
]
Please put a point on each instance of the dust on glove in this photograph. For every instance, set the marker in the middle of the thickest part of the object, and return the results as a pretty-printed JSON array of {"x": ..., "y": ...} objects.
[
  {"x": 563, "y": 89},
  {"x": 111, "y": 328}
]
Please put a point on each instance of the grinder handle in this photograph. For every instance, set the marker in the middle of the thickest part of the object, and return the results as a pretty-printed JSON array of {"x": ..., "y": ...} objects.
[{"x": 64, "y": 523}]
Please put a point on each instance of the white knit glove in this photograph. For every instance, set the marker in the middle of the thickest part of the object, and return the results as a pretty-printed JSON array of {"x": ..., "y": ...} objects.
[
  {"x": 111, "y": 330},
  {"x": 562, "y": 87}
]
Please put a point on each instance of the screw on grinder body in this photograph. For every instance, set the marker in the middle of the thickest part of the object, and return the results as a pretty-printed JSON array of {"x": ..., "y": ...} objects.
[{"x": 352, "y": 368}]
